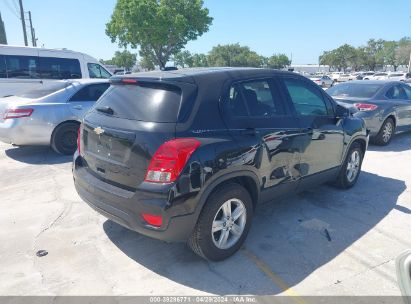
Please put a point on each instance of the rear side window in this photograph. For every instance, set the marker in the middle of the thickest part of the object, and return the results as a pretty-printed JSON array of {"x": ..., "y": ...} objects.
[
  {"x": 407, "y": 90},
  {"x": 90, "y": 92},
  {"x": 144, "y": 102},
  {"x": 307, "y": 100},
  {"x": 396, "y": 92},
  {"x": 59, "y": 68},
  {"x": 254, "y": 98},
  {"x": 3, "y": 73},
  {"x": 97, "y": 71},
  {"x": 22, "y": 67}
]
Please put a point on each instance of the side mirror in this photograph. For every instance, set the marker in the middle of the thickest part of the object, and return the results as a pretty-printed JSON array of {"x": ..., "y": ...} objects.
[
  {"x": 341, "y": 112},
  {"x": 403, "y": 269}
]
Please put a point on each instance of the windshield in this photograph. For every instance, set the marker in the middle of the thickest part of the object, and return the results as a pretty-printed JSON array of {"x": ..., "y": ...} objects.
[
  {"x": 44, "y": 90},
  {"x": 354, "y": 90}
]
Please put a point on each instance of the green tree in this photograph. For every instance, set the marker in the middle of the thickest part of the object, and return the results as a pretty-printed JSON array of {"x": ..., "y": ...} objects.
[
  {"x": 278, "y": 61},
  {"x": 160, "y": 28},
  {"x": 124, "y": 59},
  {"x": 373, "y": 50},
  {"x": 200, "y": 60},
  {"x": 146, "y": 63},
  {"x": 403, "y": 51},
  {"x": 340, "y": 58},
  {"x": 183, "y": 59},
  {"x": 388, "y": 51},
  {"x": 234, "y": 55},
  {"x": 3, "y": 37}
]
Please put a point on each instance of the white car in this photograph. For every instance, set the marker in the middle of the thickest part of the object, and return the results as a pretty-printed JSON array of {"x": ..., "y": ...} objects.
[
  {"x": 336, "y": 76},
  {"x": 323, "y": 81},
  {"x": 399, "y": 76},
  {"x": 378, "y": 76},
  {"x": 344, "y": 77},
  {"x": 27, "y": 68},
  {"x": 367, "y": 75}
]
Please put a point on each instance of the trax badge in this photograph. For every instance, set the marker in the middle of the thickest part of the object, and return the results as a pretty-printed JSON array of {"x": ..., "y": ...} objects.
[{"x": 99, "y": 130}]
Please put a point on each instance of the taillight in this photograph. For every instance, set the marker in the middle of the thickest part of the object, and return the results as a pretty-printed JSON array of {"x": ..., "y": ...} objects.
[
  {"x": 79, "y": 132},
  {"x": 153, "y": 220},
  {"x": 17, "y": 113},
  {"x": 365, "y": 106},
  {"x": 170, "y": 159}
]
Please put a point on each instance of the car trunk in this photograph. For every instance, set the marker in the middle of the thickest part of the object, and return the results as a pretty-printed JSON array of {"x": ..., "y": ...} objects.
[{"x": 125, "y": 128}]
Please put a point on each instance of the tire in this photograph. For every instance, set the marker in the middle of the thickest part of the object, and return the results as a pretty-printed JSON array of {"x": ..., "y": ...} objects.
[
  {"x": 64, "y": 138},
  {"x": 204, "y": 242},
  {"x": 386, "y": 132},
  {"x": 345, "y": 180}
]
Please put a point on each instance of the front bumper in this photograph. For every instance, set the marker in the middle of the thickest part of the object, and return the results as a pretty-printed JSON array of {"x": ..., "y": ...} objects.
[{"x": 125, "y": 207}]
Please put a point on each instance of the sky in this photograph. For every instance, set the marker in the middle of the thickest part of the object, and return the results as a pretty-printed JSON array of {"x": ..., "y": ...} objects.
[{"x": 302, "y": 29}]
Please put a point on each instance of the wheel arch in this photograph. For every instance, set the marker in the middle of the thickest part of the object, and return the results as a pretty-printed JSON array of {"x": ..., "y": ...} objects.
[{"x": 59, "y": 125}]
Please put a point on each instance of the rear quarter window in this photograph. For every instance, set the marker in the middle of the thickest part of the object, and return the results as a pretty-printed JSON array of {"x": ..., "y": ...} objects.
[{"x": 144, "y": 102}]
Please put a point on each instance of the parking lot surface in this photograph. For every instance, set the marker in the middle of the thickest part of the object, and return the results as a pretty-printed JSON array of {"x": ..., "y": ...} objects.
[{"x": 321, "y": 242}]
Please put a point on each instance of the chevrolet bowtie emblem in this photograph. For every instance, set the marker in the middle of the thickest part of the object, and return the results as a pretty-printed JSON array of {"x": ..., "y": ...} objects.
[{"x": 99, "y": 130}]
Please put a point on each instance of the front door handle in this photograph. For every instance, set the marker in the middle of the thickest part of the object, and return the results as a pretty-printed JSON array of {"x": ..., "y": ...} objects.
[
  {"x": 250, "y": 131},
  {"x": 79, "y": 107}
]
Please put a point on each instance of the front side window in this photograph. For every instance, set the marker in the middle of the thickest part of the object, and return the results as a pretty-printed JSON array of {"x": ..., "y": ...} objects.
[
  {"x": 90, "y": 92},
  {"x": 25, "y": 67},
  {"x": 253, "y": 98},
  {"x": 59, "y": 68},
  {"x": 407, "y": 90},
  {"x": 307, "y": 100},
  {"x": 97, "y": 71},
  {"x": 396, "y": 92}
]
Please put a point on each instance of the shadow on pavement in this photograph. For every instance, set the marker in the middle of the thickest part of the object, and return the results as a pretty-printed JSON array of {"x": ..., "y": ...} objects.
[
  {"x": 400, "y": 142},
  {"x": 293, "y": 237},
  {"x": 37, "y": 155}
]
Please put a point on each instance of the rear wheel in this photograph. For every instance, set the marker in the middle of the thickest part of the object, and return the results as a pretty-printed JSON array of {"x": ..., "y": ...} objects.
[
  {"x": 223, "y": 224},
  {"x": 64, "y": 138},
  {"x": 351, "y": 168},
  {"x": 386, "y": 132}
]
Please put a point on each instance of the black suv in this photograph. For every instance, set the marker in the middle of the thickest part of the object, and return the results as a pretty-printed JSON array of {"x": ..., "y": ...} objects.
[{"x": 187, "y": 155}]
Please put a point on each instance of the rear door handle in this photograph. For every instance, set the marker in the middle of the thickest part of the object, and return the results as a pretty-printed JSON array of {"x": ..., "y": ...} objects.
[{"x": 78, "y": 107}]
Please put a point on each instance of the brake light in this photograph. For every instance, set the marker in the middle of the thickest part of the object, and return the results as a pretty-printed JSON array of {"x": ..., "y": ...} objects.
[
  {"x": 79, "y": 132},
  {"x": 170, "y": 159},
  {"x": 129, "y": 80},
  {"x": 153, "y": 220},
  {"x": 365, "y": 106},
  {"x": 17, "y": 113}
]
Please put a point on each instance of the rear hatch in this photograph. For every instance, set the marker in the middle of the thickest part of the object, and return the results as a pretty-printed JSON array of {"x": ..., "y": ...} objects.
[{"x": 128, "y": 124}]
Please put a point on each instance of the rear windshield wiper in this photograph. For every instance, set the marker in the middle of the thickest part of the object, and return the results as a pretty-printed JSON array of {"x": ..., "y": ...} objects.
[{"x": 106, "y": 110}]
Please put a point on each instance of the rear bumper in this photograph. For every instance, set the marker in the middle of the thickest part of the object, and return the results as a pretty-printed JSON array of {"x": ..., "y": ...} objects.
[
  {"x": 25, "y": 131},
  {"x": 373, "y": 122},
  {"x": 125, "y": 207}
]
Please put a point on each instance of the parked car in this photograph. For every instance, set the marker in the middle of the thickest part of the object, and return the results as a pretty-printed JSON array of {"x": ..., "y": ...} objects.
[
  {"x": 336, "y": 76},
  {"x": 384, "y": 105},
  {"x": 398, "y": 76},
  {"x": 27, "y": 68},
  {"x": 378, "y": 76},
  {"x": 50, "y": 114},
  {"x": 356, "y": 76},
  {"x": 367, "y": 75},
  {"x": 151, "y": 159},
  {"x": 322, "y": 80},
  {"x": 344, "y": 77}
]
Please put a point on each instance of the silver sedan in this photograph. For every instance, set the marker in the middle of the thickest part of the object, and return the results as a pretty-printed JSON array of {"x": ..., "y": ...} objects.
[
  {"x": 385, "y": 106},
  {"x": 50, "y": 115}
]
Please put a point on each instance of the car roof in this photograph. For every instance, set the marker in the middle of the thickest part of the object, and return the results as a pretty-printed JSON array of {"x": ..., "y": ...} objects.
[{"x": 191, "y": 74}]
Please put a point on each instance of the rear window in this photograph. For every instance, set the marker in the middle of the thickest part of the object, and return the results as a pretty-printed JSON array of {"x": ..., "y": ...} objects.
[
  {"x": 144, "y": 102},
  {"x": 44, "y": 90},
  {"x": 354, "y": 90}
]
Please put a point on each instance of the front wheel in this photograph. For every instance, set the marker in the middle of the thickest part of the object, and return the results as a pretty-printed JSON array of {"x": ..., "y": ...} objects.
[
  {"x": 351, "y": 167},
  {"x": 223, "y": 224}
]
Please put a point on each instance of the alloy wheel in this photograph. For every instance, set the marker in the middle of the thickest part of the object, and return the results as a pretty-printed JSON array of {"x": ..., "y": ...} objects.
[
  {"x": 387, "y": 132},
  {"x": 353, "y": 166}
]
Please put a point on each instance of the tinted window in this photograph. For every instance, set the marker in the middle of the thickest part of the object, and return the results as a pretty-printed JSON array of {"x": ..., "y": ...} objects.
[
  {"x": 307, "y": 100},
  {"x": 407, "y": 91},
  {"x": 396, "y": 92},
  {"x": 145, "y": 102},
  {"x": 359, "y": 90},
  {"x": 255, "y": 98},
  {"x": 90, "y": 92},
  {"x": 3, "y": 73},
  {"x": 22, "y": 66},
  {"x": 44, "y": 90},
  {"x": 97, "y": 71},
  {"x": 59, "y": 68}
]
